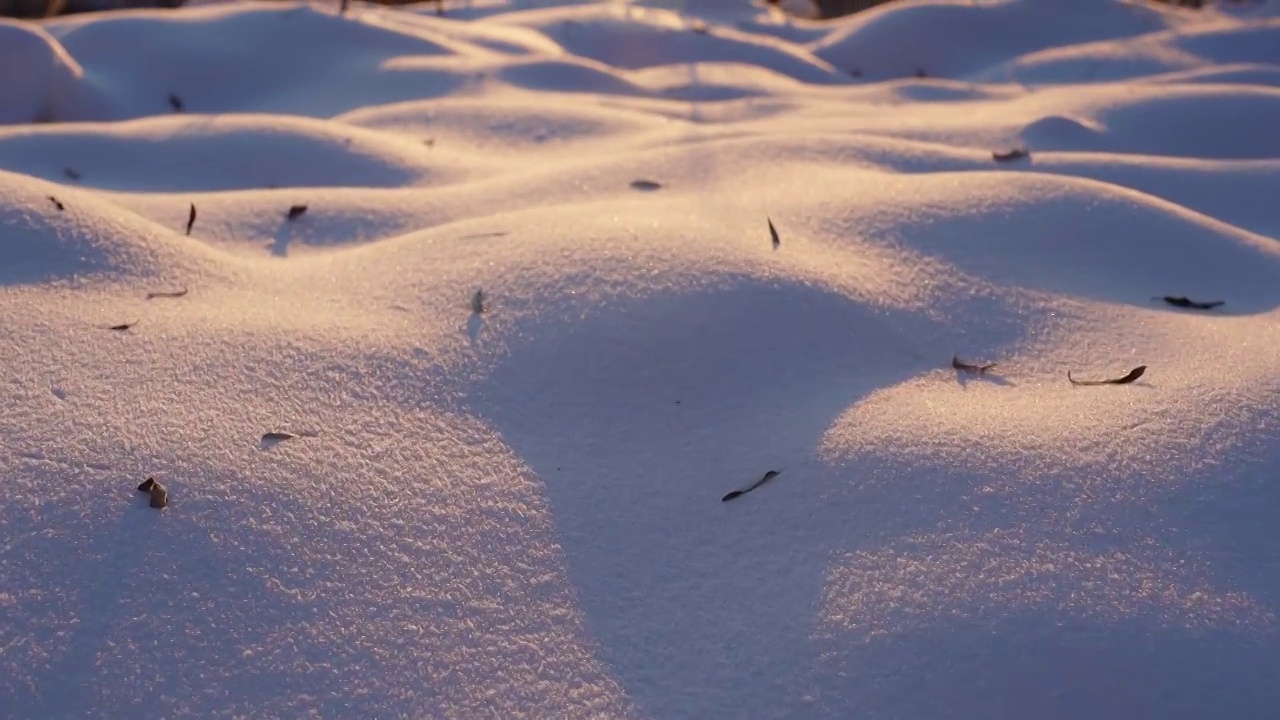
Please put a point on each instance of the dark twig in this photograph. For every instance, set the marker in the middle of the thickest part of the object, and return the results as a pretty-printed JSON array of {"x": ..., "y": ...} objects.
[
  {"x": 277, "y": 436},
  {"x": 645, "y": 185},
  {"x": 56, "y": 203},
  {"x": 1182, "y": 302},
  {"x": 174, "y": 294},
  {"x": 959, "y": 364},
  {"x": 123, "y": 326},
  {"x": 767, "y": 477},
  {"x": 773, "y": 233},
  {"x": 191, "y": 218},
  {"x": 1134, "y": 374},
  {"x": 296, "y": 211},
  {"x": 1010, "y": 156}
]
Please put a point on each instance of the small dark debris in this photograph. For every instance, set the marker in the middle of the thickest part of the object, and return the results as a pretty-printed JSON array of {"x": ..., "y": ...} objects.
[
  {"x": 920, "y": 73},
  {"x": 191, "y": 218},
  {"x": 1134, "y": 374},
  {"x": 738, "y": 493},
  {"x": 645, "y": 185},
  {"x": 477, "y": 302},
  {"x": 277, "y": 436},
  {"x": 71, "y": 173},
  {"x": 1183, "y": 302},
  {"x": 159, "y": 495},
  {"x": 773, "y": 233},
  {"x": 959, "y": 364},
  {"x": 1010, "y": 156},
  {"x": 175, "y": 102},
  {"x": 166, "y": 294},
  {"x": 296, "y": 211},
  {"x": 429, "y": 142},
  {"x": 123, "y": 326},
  {"x": 146, "y": 485},
  {"x": 56, "y": 203}
]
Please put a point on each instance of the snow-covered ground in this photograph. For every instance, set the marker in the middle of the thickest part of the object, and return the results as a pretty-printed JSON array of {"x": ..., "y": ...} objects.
[{"x": 517, "y": 513}]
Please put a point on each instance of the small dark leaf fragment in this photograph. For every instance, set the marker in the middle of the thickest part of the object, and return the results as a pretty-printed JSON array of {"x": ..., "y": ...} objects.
[
  {"x": 1183, "y": 302},
  {"x": 277, "y": 436},
  {"x": 123, "y": 326},
  {"x": 773, "y": 233},
  {"x": 959, "y": 364},
  {"x": 1134, "y": 374},
  {"x": 736, "y": 493},
  {"x": 1011, "y": 155},
  {"x": 296, "y": 211},
  {"x": 175, "y": 102},
  {"x": 191, "y": 218},
  {"x": 159, "y": 495},
  {"x": 645, "y": 185},
  {"x": 71, "y": 173},
  {"x": 146, "y": 485},
  {"x": 166, "y": 294},
  {"x": 56, "y": 203}
]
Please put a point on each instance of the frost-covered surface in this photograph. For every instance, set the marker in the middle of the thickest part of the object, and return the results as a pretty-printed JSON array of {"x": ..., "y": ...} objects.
[{"x": 517, "y": 513}]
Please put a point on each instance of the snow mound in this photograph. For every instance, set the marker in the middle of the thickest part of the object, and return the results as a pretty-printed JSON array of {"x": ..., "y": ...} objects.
[
  {"x": 1033, "y": 235},
  {"x": 1177, "y": 50},
  {"x": 635, "y": 38},
  {"x": 39, "y": 81},
  {"x": 1178, "y": 123},
  {"x": 1064, "y": 133},
  {"x": 205, "y": 153},
  {"x": 531, "y": 288},
  {"x": 250, "y": 57},
  {"x": 52, "y": 235},
  {"x": 957, "y": 39}
]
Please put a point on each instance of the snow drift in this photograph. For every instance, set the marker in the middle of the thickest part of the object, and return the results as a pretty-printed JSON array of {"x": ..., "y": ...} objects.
[{"x": 517, "y": 511}]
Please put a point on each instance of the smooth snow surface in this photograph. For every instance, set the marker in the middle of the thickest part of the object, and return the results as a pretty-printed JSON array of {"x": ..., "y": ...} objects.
[{"x": 517, "y": 513}]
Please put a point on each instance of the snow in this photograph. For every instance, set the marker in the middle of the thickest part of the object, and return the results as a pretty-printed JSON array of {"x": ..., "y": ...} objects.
[{"x": 517, "y": 513}]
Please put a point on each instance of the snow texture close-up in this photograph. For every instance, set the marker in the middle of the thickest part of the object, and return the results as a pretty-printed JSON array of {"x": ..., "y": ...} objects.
[{"x": 450, "y": 336}]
